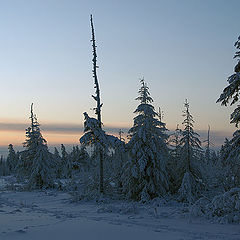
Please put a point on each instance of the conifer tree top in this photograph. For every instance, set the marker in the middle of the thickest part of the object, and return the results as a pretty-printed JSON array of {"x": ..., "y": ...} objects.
[
  {"x": 144, "y": 93},
  {"x": 33, "y": 133}
]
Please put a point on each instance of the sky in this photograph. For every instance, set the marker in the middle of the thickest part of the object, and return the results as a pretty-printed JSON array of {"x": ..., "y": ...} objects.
[{"x": 183, "y": 49}]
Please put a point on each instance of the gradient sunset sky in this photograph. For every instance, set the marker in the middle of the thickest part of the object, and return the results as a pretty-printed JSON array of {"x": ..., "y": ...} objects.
[{"x": 183, "y": 49}]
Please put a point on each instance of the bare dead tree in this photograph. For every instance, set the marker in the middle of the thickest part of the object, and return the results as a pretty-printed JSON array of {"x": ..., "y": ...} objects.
[
  {"x": 209, "y": 143},
  {"x": 96, "y": 97}
]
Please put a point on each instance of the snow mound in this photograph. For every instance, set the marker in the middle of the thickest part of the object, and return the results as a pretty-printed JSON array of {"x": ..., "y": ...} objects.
[
  {"x": 224, "y": 208},
  {"x": 189, "y": 189}
]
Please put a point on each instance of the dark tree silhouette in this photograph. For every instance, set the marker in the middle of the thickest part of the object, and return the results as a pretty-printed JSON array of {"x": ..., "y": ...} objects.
[{"x": 97, "y": 99}]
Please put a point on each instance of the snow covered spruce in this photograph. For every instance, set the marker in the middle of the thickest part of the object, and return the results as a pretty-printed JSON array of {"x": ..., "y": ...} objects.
[
  {"x": 146, "y": 176},
  {"x": 36, "y": 164},
  {"x": 189, "y": 169}
]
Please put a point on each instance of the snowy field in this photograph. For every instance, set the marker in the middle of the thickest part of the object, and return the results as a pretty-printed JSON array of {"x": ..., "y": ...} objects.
[{"x": 51, "y": 214}]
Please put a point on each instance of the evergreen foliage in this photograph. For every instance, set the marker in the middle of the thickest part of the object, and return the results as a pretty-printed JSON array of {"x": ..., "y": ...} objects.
[
  {"x": 190, "y": 159},
  {"x": 80, "y": 159},
  {"x": 230, "y": 156},
  {"x": 66, "y": 163},
  {"x": 95, "y": 137},
  {"x": 43, "y": 167},
  {"x": 231, "y": 151},
  {"x": 146, "y": 175},
  {"x": 34, "y": 139},
  {"x": 231, "y": 92},
  {"x": 58, "y": 161},
  {"x": 175, "y": 159},
  {"x": 12, "y": 158},
  {"x": 36, "y": 162},
  {"x": 4, "y": 170}
]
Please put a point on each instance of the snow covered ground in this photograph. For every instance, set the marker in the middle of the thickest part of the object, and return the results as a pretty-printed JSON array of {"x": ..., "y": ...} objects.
[{"x": 51, "y": 214}]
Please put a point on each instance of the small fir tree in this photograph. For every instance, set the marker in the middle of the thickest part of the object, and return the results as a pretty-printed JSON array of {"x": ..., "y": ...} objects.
[
  {"x": 43, "y": 169},
  {"x": 36, "y": 162},
  {"x": 34, "y": 138},
  {"x": 146, "y": 175},
  {"x": 66, "y": 163},
  {"x": 175, "y": 159},
  {"x": 190, "y": 159},
  {"x": 12, "y": 158},
  {"x": 58, "y": 161}
]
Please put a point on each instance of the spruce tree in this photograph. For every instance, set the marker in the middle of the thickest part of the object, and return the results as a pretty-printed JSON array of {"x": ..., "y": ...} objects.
[
  {"x": 66, "y": 163},
  {"x": 174, "y": 142},
  {"x": 43, "y": 169},
  {"x": 36, "y": 162},
  {"x": 80, "y": 159},
  {"x": 190, "y": 173},
  {"x": 231, "y": 92},
  {"x": 12, "y": 159},
  {"x": 173, "y": 164},
  {"x": 58, "y": 161},
  {"x": 232, "y": 160},
  {"x": 230, "y": 96},
  {"x": 34, "y": 138},
  {"x": 4, "y": 170},
  {"x": 146, "y": 176}
]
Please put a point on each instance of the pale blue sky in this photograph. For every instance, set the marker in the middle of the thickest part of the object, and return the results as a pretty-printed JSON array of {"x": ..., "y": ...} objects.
[{"x": 183, "y": 49}]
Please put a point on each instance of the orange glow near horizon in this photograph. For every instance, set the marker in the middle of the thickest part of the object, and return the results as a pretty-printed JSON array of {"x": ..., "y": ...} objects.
[
  {"x": 11, "y": 137},
  {"x": 18, "y": 137},
  {"x": 53, "y": 138}
]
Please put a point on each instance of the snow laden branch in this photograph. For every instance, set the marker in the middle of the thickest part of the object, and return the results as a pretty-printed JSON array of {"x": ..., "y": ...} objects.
[
  {"x": 95, "y": 137},
  {"x": 231, "y": 92}
]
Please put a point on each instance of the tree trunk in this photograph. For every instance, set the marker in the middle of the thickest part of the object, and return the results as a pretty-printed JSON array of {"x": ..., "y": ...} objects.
[{"x": 99, "y": 105}]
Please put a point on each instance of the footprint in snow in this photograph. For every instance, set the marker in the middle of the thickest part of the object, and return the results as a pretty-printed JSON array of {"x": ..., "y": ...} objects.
[
  {"x": 115, "y": 223},
  {"x": 20, "y": 231},
  {"x": 15, "y": 211}
]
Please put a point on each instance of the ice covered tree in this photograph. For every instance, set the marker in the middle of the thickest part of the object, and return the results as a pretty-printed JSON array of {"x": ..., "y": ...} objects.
[
  {"x": 66, "y": 163},
  {"x": 4, "y": 170},
  {"x": 175, "y": 158},
  {"x": 146, "y": 176},
  {"x": 80, "y": 158},
  {"x": 36, "y": 162},
  {"x": 189, "y": 168},
  {"x": 230, "y": 94},
  {"x": 232, "y": 161},
  {"x": 43, "y": 168},
  {"x": 34, "y": 138},
  {"x": 174, "y": 142},
  {"x": 95, "y": 137},
  {"x": 58, "y": 161},
  {"x": 12, "y": 158},
  {"x": 118, "y": 161}
]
